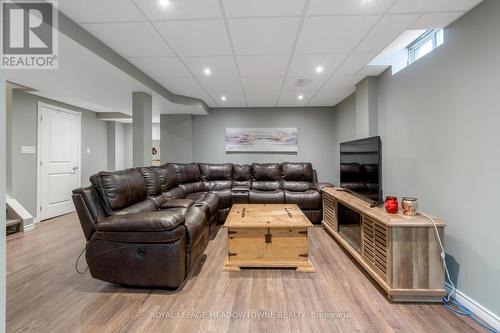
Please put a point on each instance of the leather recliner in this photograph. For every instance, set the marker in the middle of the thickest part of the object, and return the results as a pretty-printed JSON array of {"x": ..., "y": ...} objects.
[{"x": 149, "y": 226}]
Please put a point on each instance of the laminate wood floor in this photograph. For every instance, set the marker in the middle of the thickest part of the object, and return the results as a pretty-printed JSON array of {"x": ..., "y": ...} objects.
[{"x": 46, "y": 294}]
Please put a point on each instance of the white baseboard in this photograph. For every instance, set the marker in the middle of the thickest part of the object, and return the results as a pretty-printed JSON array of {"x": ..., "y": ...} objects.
[{"x": 480, "y": 311}]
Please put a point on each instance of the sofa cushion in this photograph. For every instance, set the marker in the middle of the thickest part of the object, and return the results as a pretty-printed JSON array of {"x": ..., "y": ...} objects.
[
  {"x": 296, "y": 186},
  {"x": 186, "y": 172},
  {"x": 297, "y": 172},
  {"x": 175, "y": 193},
  {"x": 207, "y": 199},
  {"x": 152, "y": 178},
  {"x": 224, "y": 197},
  {"x": 266, "y": 185},
  {"x": 168, "y": 176},
  {"x": 210, "y": 172},
  {"x": 271, "y": 197},
  {"x": 310, "y": 199},
  {"x": 119, "y": 189},
  {"x": 242, "y": 175},
  {"x": 143, "y": 206},
  {"x": 193, "y": 187},
  {"x": 266, "y": 171},
  {"x": 196, "y": 224},
  {"x": 177, "y": 203},
  {"x": 144, "y": 221}
]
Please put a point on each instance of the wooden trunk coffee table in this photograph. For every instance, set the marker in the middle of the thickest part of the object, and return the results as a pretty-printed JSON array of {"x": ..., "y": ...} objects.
[{"x": 267, "y": 235}]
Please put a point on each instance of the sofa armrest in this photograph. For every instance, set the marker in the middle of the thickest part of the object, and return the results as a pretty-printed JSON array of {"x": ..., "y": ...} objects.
[
  {"x": 320, "y": 186},
  {"x": 177, "y": 203},
  {"x": 145, "y": 221}
]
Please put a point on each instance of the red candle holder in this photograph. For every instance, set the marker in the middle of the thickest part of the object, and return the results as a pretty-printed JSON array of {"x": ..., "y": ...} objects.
[{"x": 391, "y": 205}]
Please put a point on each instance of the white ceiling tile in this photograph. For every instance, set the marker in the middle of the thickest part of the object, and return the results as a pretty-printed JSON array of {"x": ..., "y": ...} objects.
[
  {"x": 221, "y": 66},
  {"x": 262, "y": 83},
  {"x": 247, "y": 8},
  {"x": 333, "y": 34},
  {"x": 261, "y": 98},
  {"x": 291, "y": 97},
  {"x": 165, "y": 67},
  {"x": 196, "y": 38},
  {"x": 354, "y": 63},
  {"x": 341, "y": 82},
  {"x": 263, "y": 35},
  {"x": 234, "y": 98},
  {"x": 264, "y": 65},
  {"x": 348, "y": 7},
  {"x": 305, "y": 82},
  {"x": 100, "y": 11},
  {"x": 221, "y": 84},
  {"x": 306, "y": 64},
  {"x": 435, "y": 20},
  {"x": 130, "y": 39},
  {"x": 180, "y": 85},
  {"x": 413, "y": 6},
  {"x": 387, "y": 30},
  {"x": 180, "y": 9}
]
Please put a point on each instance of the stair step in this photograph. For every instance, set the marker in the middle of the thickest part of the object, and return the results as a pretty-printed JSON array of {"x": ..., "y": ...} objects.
[{"x": 12, "y": 222}]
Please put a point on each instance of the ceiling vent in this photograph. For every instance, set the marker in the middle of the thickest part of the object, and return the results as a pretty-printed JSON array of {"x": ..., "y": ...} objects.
[{"x": 301, "y": 83}]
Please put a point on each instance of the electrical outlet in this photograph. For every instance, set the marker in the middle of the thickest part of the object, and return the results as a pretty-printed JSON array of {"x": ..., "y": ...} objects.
[{"x": 88, "y": 151}]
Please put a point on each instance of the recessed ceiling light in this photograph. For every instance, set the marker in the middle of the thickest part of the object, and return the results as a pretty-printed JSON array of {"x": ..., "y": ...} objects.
[
  {"x": 223, "y": 98},
  {"x": 319, "y": 69},
  {"x": 164, "y": 3},
  {"x": 300, "y": 97},
  {"x": 207, "y": 71}
]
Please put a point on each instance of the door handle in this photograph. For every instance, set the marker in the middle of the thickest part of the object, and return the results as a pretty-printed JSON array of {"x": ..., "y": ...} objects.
[{"x": 74, "y": 169}]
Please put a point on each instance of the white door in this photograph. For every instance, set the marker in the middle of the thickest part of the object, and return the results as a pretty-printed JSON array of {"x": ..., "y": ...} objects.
[{"x": 59, "y": 160}]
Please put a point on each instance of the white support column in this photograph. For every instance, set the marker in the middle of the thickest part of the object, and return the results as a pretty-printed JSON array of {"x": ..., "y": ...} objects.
[{"x": 142, "y": 117}]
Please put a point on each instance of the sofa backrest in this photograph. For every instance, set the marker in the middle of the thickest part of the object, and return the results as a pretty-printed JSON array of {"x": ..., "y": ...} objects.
[
  {"x": 242, "y": 174},
  {"x": 189, "y": 177},
  {"x": 152, "y": 178},
  {"x": 216, "y": 176},
  {"x": 119, "y": 189},
  {"x": 266, "y": 176},
  {"x": 168, "y": 177},
  {"x": 297, "y": 176}
]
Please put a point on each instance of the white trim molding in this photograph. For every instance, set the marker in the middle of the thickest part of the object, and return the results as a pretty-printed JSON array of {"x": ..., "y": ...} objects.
[{"x": 479, "y": 310}]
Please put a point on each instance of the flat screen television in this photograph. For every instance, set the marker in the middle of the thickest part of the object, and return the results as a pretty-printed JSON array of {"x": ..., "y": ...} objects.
[{"x": 361, "y": 167}]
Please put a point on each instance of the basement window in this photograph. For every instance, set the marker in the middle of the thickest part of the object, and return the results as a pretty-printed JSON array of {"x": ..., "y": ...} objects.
[{"x": 424, "y": 44}]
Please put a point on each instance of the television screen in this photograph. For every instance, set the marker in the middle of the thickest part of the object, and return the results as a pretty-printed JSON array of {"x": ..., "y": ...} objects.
[{"x": 361, "y": 167}]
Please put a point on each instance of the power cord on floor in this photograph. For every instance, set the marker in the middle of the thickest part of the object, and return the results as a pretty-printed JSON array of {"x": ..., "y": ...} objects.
[
  {"x": 452, "y": 304},
  {"x": 78, "y": 259}
]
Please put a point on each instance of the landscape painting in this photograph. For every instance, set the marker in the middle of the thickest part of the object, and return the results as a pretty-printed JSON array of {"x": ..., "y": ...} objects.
[{"x": 261, "y": 140}]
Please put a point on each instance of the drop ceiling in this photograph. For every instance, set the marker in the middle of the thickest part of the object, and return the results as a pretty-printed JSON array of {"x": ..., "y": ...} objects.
[{"x": 261, "y": 53}]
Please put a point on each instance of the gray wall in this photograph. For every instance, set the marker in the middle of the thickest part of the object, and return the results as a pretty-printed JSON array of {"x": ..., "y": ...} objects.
[
  {"x": 176, "y": 138},
  {"x": 439, "y": 120},
  {"x": 344, "y": 129},
  {"x": 315, "y": 131},
  {"x": 24, "y": 133}
]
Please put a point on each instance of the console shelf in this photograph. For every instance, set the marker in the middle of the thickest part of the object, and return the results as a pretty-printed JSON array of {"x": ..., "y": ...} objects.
[{"x": 401, "y": 253}]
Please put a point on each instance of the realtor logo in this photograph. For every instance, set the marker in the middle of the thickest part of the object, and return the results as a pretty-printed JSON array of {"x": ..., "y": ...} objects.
[{"x": 29, "y": 35}]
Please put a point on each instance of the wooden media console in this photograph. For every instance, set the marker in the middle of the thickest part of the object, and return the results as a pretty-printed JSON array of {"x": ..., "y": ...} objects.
[{"x": 400, "y": 252}]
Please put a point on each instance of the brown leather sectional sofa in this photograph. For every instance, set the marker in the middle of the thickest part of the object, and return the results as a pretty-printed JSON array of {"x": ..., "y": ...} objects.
[{"x": 149, "y": 226}]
